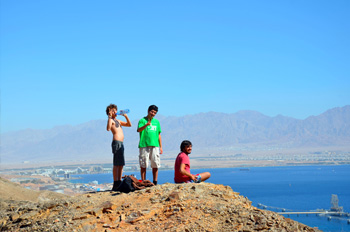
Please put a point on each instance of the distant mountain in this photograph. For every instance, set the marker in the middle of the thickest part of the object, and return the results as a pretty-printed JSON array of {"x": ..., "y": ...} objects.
[{"x": 207, "y": 131}]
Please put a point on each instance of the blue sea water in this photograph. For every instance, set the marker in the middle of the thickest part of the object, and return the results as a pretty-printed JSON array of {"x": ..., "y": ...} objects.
[{"x": 296, "y": 188}]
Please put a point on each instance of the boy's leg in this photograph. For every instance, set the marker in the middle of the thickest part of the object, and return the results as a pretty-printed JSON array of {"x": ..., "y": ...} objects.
[
  {"x": 155, "y": 163},
  {"x": 116, "y": 177},
  {"x": 205, "y": 176},
  {"x": 155, "y": 175},
  {"x": 118, "y": 163},
  {"x": 143, "y": 173},
  {"x": 114, "y": 151},
  {"x": 143, "y": 160},
  {"x": 115, "y": 172},
  {"x": 119, "y": 172}
]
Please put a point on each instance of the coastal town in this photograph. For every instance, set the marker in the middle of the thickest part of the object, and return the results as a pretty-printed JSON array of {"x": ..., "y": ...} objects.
[
  {"x": 64, "y": 178},
  {"x": 60, "y": 179}
]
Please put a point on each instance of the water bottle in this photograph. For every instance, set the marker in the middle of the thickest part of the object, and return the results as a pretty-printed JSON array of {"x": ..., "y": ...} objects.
[{"x": 121, "y": 112}]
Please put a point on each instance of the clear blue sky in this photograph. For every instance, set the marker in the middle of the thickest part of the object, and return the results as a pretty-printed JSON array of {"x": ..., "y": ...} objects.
[{"x": 63, "y": 62}]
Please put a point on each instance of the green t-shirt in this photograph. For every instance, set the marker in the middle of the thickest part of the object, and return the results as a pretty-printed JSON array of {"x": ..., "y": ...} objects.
[{"x": 149, "y": 137}]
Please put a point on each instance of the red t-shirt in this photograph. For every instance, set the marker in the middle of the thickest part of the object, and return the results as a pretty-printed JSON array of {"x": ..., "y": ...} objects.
[{"x": 182, "y": 158}]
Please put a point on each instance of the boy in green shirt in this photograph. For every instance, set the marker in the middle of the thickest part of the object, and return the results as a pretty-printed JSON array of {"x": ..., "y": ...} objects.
[{"x": 150, "y": 145}]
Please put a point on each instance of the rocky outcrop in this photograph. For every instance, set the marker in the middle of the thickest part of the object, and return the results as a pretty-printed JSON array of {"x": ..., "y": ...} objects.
[{"x": 167, "y": 207}]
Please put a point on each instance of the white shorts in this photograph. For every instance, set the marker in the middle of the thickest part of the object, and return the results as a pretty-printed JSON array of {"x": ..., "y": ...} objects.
[{"x": 149, "y": 153}]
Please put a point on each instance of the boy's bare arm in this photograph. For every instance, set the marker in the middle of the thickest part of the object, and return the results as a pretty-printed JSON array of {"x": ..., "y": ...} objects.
[
  {"x": 109, "y": 124},
  {"x": 160, "y": 145},
  {"x": 127, "y": 123},
  {"x": 184, "y": 172},
  {"x": 143, "y": 127}
]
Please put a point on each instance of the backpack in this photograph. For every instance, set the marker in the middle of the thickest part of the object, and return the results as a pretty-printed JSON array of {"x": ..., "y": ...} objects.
[{"x": 126, "y": 186}]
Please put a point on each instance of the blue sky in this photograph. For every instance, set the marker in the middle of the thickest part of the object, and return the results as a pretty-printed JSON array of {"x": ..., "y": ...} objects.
[{"x": 63, "y": 62}]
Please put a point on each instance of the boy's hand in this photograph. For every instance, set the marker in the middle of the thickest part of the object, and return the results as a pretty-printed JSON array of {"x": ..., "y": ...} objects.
[{"x": 148, "y": 123}]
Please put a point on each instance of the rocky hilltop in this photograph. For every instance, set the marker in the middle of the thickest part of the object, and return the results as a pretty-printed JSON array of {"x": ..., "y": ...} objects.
[{"x": 167, "y": 207}]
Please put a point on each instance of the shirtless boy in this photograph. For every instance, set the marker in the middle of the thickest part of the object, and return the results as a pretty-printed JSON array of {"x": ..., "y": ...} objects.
[{"x": 115, "y": 126}]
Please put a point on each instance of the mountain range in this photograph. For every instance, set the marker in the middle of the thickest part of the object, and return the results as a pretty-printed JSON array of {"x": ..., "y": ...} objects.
[{"x": 207, "y": 131}]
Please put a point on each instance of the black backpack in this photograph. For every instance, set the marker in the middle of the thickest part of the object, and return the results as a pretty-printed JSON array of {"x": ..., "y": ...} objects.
[{"x": 126, "y": 185}]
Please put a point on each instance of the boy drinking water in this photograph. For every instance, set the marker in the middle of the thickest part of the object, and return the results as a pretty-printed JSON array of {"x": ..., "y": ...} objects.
[{"x": 115, "y": 126}]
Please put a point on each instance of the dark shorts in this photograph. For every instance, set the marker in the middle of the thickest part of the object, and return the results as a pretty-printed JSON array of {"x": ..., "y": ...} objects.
[{"x": 118, "y": 153}]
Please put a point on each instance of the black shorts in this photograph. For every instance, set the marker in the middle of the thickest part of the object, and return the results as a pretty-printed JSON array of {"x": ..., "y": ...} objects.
[{"x": 118, "y": 153}]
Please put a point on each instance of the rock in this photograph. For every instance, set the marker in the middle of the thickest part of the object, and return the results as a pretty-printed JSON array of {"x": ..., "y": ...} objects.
[
  {"x": 122, "y": 217},
  {"x": 174, "y": 196},
  {"x": 167, "y": 207}
]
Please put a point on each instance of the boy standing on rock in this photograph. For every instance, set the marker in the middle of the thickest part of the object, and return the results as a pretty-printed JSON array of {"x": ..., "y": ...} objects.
[
  {"x": 182, "y": 166},
  {"x": 150, "y": 145},
  {"x": 115, "y": 126}
]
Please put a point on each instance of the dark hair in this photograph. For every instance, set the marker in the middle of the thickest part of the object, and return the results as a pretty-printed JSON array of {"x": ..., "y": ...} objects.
[
  {"x": 111, "y": 106},
  {"x": 184, "y": 144},
  {"x": 152, "y": 107}
]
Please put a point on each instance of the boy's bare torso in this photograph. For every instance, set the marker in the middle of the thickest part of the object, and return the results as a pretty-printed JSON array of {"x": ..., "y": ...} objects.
[{"x": 117, "y": 130}]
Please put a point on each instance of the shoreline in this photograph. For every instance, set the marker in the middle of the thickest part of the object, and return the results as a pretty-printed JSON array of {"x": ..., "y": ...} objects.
[{"x": 166, "y": 165}]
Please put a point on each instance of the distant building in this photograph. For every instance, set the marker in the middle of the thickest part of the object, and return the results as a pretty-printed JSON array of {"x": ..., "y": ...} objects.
[
  {"x": 80, "y": 170},
  {"x": 61, "y": 172},
  {"x": 95, "y": 182}
]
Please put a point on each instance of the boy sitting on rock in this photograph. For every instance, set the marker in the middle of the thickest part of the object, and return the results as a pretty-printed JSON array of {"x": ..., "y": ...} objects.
[{"x": 182, "y": 166}]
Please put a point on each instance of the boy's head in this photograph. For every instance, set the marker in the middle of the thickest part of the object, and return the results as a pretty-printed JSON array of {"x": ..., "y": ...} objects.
[
  {"x": 153, "y": 107},
  {"x": 152, "y": 111},
  {"x": 110, "y": 107},
  {"x": 186, "y": 146}
]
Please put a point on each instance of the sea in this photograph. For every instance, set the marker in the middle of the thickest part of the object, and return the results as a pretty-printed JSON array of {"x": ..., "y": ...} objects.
[{"x": 286, "y": 188}]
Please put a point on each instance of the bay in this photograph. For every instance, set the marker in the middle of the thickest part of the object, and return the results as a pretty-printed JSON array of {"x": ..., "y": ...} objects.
[{"x": 295, "y": 188}]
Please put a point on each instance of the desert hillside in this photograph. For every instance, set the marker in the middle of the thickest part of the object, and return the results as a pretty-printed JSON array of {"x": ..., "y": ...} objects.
[
  {"x": 167, "y": 207},
  {"x": 15, "y": 192}
]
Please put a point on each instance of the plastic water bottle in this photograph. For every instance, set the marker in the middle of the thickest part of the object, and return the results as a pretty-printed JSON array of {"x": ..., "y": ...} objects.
[{"x": 121, "y": 112}]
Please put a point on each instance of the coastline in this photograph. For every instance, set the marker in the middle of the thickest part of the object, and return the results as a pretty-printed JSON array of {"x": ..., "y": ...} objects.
[{"x": 168, "y": 164}]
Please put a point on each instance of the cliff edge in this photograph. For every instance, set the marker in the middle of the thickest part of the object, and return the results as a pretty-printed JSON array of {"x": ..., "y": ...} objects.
[{"x": 167, "y": 207}]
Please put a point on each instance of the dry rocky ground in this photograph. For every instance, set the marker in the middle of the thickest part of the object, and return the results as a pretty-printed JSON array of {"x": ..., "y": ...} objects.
[{"x": 167, "y": 207}]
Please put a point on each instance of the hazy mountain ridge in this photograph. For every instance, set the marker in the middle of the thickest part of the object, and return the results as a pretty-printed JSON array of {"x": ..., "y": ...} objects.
[{"x": 206, "y": 130}]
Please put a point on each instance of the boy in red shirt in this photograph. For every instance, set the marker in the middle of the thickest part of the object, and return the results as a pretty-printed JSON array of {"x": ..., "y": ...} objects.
[{"x": 182, "y": 166}]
